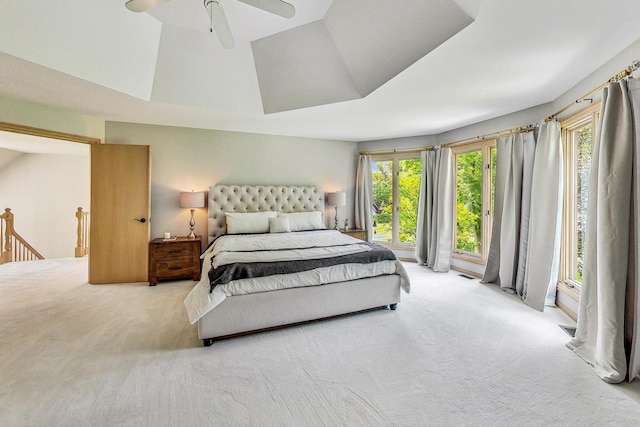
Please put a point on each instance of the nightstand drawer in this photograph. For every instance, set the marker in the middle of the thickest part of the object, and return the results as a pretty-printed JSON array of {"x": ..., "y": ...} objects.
[
  {"x": 174, "y": 259},
  {"x": 175, "y": 268},
  {"x": 173, "y": 251}
]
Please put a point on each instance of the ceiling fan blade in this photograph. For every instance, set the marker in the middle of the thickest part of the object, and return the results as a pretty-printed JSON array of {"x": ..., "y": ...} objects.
[
  {"x": 142, "y": 5},
  {"x": 219, "y": 23},
  {"x": 277, "y": 7}
]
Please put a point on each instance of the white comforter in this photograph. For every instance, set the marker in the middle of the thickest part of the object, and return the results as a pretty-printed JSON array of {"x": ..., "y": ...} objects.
[
  {"x": 283, "y": 247},
  {"x": 316, "y": 244}
]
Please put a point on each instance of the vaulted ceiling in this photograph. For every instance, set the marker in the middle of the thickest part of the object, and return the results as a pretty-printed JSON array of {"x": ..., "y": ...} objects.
[{"x": 342, "y": 69}]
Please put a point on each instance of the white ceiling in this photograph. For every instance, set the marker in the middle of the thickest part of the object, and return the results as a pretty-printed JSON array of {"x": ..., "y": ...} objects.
[
  {"x": 164, "y": 67},
  {"x": 12, "y": 145}
]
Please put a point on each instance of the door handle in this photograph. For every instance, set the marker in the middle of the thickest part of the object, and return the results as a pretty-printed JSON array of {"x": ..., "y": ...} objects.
[{"x": 143, "y": 220}]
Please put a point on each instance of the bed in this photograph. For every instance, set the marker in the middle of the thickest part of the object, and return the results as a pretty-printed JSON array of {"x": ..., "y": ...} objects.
[{"x": 249, "y": 291}]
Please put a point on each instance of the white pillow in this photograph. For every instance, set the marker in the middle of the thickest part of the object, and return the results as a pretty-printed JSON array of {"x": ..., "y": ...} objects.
[
  {"x": 301, "y": 221},
  {"x": 248, "y": 222},
  {"x": 279, "y": 225}
]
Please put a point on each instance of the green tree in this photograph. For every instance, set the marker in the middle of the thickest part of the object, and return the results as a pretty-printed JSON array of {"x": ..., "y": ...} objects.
[
  {"x": 469, "y": 201},
  {"x": 382, "y": 177},
  {"x": 409, "y": 193},
  {"x": 409, "y": 172},
  {"x": 584, "y": 148}
]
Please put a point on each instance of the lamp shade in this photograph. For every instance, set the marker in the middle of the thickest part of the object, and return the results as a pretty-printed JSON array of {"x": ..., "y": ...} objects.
[
  {"x": 192, "y": 199},
  {"x": 339, "y": 198}
]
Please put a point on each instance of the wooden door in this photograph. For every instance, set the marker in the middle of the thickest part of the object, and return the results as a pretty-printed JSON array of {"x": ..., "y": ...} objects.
[{"x": 120, "y": 210}]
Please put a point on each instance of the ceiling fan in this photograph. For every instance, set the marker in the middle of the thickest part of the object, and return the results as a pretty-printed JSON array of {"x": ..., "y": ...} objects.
[{"x": 217, "y": 17}]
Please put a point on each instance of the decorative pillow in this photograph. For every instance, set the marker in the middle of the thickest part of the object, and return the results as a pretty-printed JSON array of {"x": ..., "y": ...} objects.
[
  {"x": 248, "y": 222},
  {"x": 301, "y": 221},
  {"x": 279, "y": 225}
]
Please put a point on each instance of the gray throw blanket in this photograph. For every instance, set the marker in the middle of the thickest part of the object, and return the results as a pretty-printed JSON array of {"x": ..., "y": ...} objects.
[{"x": 236, "y": 271}]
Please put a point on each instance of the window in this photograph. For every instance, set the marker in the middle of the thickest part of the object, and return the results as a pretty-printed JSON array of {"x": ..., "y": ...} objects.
[
  {"x": 577, "y": 135},
  {"x": 396, "y": 189},
  {"x": 475, "y": 189}
]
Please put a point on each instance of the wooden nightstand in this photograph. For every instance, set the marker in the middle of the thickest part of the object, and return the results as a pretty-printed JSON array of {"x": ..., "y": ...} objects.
[
  {"x": 174, "y": 259},
  {"x": 358, "y": 234}
]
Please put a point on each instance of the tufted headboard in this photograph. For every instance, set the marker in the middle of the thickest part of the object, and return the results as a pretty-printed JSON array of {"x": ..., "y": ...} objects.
[{"x": 259, "y": 198}]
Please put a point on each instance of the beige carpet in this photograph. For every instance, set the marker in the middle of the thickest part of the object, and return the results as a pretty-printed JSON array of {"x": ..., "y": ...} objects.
[{"x": 455, "y": 353}]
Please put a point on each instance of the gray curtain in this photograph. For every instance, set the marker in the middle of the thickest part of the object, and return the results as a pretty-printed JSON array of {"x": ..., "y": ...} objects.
[
  {"x": 607, "y": 335},
  {"x": 363, "y": 202},
  {"x": 424, "y": 226},
  {"x": 514, "y": 172},
  {"x": 537, "y": 281},
  {"x": 434, "y": 238},
  {"x": 524, "y": 256}
]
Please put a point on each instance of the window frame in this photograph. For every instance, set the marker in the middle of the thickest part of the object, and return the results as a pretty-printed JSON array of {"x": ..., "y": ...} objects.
[
  {"x": 487, "y": 200},
  {"x": 569, "y": 238},
  {"x": 394, "y": 158}
]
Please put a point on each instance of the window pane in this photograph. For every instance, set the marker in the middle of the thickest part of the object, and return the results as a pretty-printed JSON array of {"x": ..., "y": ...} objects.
[
  {"x": 469, "y": 202},
  {"x": 382, "y": 210},
  {"x": 409, "y": 191},
  {"x": 582, "y": 137}
]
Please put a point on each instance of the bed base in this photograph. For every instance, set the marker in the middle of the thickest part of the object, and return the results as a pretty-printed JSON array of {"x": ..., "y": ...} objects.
[
  {"x": 208, "y": 342},
  {"x": 251, "y": 313}
]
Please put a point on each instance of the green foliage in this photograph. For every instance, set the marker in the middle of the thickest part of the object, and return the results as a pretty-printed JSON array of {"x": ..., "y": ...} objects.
[
  {"x": 382, "y": 177},
  {"x": 467, "y": 235},
  {"x": 409, "y": 189},
  {"x": 409, "y": 171},
  {"x": 584, "y": 148},
  {"x": 469, "y": 202}
]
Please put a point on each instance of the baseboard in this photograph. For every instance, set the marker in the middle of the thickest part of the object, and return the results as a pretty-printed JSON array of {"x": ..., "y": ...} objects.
[
  {"x": 566, "y": 310},
  {"x": 568, "y": 294}
]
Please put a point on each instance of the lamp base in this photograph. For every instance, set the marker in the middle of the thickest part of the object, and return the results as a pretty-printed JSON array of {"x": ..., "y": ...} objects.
[{"x": 192, "y": 223}]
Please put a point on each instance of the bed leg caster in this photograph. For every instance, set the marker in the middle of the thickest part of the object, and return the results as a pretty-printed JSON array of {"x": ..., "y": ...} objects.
[
  {"x": 393, "y": 306},
  {"x": 207, "y": 342}
]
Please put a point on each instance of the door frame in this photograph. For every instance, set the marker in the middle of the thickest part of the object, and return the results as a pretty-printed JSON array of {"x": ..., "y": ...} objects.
[
  {"x": 46, "y": 133},
  {"x": 49, "y": 134}
]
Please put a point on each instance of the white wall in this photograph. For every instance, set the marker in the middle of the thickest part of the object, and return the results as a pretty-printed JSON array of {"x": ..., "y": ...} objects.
[
  {"x": 44, "y": 192},
  {"x": 27, "y": 113},
  {"x": 185, "y": 159},
  {"x": 8, "y": 156}
]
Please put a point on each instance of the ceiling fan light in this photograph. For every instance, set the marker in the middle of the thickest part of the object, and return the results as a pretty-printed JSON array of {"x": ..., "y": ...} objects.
[
  {"x": 142, "y": 5},
  {"x": 277, "y": 7},
  {"x": 219, "y": 23}
]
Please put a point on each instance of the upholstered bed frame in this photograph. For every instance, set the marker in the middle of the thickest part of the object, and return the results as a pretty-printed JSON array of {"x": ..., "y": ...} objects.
[
  {"x": 259, "y": 198},
  {"x": 241, "y": 314}
]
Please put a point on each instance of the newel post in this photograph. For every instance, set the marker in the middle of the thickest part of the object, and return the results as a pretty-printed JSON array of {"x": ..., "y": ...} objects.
[{"x": 5, "y": 251}]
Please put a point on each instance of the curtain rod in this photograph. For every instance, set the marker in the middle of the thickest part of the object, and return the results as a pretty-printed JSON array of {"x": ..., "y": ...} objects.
[
  {"x": 397, "y": 150},
  {"x": 513, "y": 131},
  {"x": 622, "y": 74},
  {"x": 521, "y": 129},
  {"x": 635, "y": 65}
]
